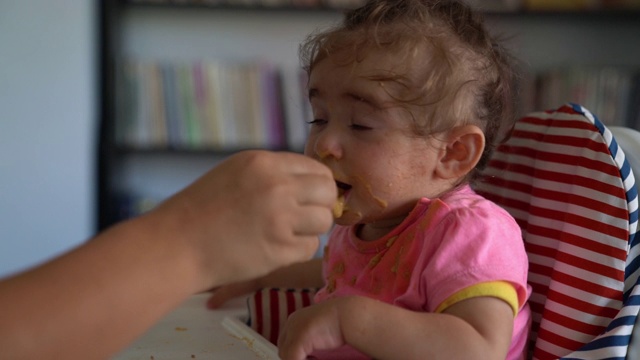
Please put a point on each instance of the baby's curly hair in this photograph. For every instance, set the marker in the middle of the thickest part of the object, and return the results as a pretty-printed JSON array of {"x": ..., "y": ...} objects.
[{"x": 468, "y": 77}]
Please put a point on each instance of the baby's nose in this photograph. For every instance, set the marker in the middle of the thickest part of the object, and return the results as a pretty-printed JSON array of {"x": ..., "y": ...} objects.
[{"x": 328, "y": 146}]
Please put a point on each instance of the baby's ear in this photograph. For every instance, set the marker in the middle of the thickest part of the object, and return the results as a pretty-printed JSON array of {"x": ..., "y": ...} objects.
[{"x": 463, "y": 147}]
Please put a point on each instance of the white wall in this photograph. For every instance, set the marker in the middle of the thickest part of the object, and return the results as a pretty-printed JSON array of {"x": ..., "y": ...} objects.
[{"x": 48, "y": 128}]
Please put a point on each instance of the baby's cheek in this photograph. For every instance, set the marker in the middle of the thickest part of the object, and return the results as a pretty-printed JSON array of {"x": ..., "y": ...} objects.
[{"x": 367, "y": 192}]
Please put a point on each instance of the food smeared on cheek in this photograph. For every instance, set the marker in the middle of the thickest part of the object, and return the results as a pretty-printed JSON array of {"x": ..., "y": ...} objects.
[{"x": 379, "y": 201}]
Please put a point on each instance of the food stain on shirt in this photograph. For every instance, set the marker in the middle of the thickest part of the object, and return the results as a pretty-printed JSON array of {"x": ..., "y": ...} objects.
[
  {"x": 375, "y": 260},
  {"x": 336, "y": 272},
  {"x": 391, "y": 241},
  {"x": 396, "y": 262},
  {"x": 331, "y": 285}
]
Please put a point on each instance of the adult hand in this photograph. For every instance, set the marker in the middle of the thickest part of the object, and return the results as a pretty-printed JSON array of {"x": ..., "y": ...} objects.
[{"x": 255, "y": 212}]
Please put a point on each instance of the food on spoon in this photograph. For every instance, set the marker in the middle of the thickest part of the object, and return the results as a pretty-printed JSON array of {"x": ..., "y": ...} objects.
[{"x": 338, "y": 207}]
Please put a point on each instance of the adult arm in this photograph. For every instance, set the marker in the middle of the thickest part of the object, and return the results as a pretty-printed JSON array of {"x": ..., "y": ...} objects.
[{"x": 255, "y": 212}]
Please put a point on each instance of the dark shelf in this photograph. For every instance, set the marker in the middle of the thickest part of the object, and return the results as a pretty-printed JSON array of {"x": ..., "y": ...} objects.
[
  {"x": 161, "y": 151},
  {"x": 632, "y": 14},
  {"x": 223, "y": 6},
  {"x": 618, "y": 12}
]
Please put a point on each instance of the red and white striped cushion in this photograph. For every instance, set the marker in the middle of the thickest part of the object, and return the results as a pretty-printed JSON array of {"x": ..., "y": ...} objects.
[
  {"x": 269, "y": 308},
  {"x": 557, "y": 177}
]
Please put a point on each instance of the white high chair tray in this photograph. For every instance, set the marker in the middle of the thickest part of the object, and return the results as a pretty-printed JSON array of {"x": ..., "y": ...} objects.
[{"x": 193, "y": 332}]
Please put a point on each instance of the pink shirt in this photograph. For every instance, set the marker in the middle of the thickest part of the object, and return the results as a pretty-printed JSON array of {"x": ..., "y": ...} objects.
[{"x": 443, "y": 246}]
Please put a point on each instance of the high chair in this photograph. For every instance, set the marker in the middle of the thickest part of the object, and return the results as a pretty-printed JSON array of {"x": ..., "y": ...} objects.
[{"x": 566, "y": 181}]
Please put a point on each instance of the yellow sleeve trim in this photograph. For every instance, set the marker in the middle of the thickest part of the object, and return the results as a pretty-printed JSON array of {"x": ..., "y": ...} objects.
[{"x": 500, "y": 289}]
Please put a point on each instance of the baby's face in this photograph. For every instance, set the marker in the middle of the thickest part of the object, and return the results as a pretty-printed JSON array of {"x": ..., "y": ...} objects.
[{"x": 381, "y": 166}]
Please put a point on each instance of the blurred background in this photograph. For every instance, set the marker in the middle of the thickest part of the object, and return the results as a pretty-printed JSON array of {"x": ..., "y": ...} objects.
[
  {"x": 48, "y": 128},
  {"x": 108, "y": 107}
]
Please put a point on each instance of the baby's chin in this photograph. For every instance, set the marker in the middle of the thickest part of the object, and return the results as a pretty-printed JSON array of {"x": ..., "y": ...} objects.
[{"x": 349, "y": 218}]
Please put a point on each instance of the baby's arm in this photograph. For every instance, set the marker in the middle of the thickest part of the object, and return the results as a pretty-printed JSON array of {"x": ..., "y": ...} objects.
[
  {"x": 300, "y": 275},
  {"x": 479, "y": 328}
]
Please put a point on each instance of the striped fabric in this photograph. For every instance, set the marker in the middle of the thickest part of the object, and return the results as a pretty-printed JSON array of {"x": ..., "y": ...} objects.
[
  {"x": 269, "y": 308},
  {"x": 564, "y": 179}
]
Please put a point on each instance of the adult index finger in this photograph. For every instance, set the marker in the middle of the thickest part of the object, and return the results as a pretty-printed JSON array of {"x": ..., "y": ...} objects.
[{"x": 302, "y": 164}]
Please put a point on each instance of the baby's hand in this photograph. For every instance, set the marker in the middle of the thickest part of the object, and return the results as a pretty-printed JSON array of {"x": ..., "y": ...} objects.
[{"x": 316, "y": 327}]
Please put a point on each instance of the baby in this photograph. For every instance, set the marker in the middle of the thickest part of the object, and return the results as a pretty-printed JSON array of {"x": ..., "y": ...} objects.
[{"x": 409, "y": 98}]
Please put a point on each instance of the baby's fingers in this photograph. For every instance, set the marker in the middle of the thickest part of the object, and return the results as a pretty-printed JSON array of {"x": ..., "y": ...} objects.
[
  {"x": 288, "y": 349},
  {"x": 307, "y": 330}
]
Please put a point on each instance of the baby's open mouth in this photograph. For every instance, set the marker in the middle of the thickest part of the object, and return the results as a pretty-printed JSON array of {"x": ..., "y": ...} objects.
[
  {"x": 338, "y": 207},
  {"x": 342, "y": 187}
]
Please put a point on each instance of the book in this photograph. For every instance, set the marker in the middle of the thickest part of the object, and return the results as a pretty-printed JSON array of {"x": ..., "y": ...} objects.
[
  {"x": 172, "y": 111},
  {"x": 227, "y": 78},
  {"x": 190, "y": 123},
  {"x": 200, "y": 105},
  {"x": 214, "y": 109},
  {"x": 633, "y": 108},
  {"x": 142, "y": 120},
  {"x": 605, "y": 90},
  {"x": 271, "y": 98},
  {"x": 158, "y": 138}
]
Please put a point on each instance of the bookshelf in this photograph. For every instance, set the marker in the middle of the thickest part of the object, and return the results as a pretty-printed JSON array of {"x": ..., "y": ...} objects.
[
  {"x": 246, "y": 43},
  {"x": 141, "y": 162}
]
